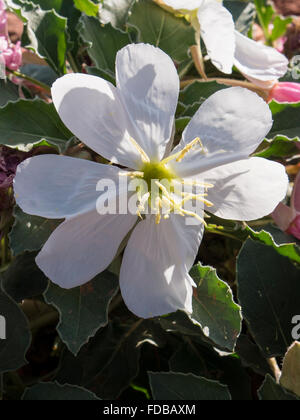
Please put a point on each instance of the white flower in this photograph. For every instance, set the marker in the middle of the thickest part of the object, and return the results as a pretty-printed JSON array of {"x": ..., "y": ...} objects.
[
  {"x": 226, "y": 47},
  {"x": 154, "y": 276}
]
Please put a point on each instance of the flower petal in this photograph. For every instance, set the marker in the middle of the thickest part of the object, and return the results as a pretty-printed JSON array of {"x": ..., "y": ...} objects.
[
  {"x": 57, "y": 187},
  {"x": 231, "y": 124},
  {"x": 92, "y": 109},
  {"x": 149, "y": 83},
  {"x": 217, "y": 31},
  {"x": 296, "y": 194},
  {"x": 258, "y": 62},
  {"x": 283, "y": 216},
  {"x": 246, "y": 190},
  {"x": 154, "y": 276},
  {"x": 82, "y": 247},
  {"x": 183, "y": 4}
]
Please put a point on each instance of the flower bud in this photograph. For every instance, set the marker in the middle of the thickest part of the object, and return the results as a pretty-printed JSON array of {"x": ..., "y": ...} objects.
[{"x": 285, "y": 92}]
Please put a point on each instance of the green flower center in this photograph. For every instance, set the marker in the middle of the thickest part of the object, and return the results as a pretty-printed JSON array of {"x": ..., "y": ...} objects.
[{"x": 156, "y": 171}]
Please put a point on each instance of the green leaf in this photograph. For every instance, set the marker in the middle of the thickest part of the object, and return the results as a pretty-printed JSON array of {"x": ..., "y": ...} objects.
[
  {"x": 23, "y": 279},
  {"x": 29, "y": 233},
  {"x": 109, "y": 362},
  {"x": 26, "y": 122},
  {"x": 45, "y": 4},
  {"x": 180, "y": 322},
  {"x": 279, "y": 147},
  {"x": 202, "y": 360},
  {"x": 194, "y": 95},
  {"x": 265, "y": 13},
  {"x": 282, "y": 243},
  {"x": 15, "y": 337},
  {"x": 279, "y": 27},
  {"x": 104, "y": 43},
  {"x": 286, "y": 121},
  {"x": 87, "y": 7},
  {"x": 268, "y": 291},
  {"x": 83, "y": 310},
  {"x": 157, "y": 27},
  {"x": 251, "y": 356},
  {"x": 8, "y": 92},
  {"x": 64, "y": 8},
  {"x": 271, "y": 391},
  {"x": 116, "y": 12},
  {"x": 52, "y": 391},
  {"x": 214, "y": 308},
  {"x": 243, "y": 14},
  {"x": 179, "y": 386},
  {"x": 46, "y": 32}
]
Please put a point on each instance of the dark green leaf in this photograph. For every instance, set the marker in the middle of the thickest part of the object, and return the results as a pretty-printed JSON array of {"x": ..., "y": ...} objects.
[
  {"x": 23, "y": 279},
  {"x": 198, "y": 92},
  {"x": 286, "y": 121},
  {"x": 251, "y": 356},
  {"x": 268, "y": 290},
  {"x": 15, "y": 336},
  {"x": 214, "y": 308},
  {"x": 52, "y": 391},
  {"x": 46, "y": 32},
  {"x": 203, "y": 360},
  {"x": 29, "y": 233},
  {"x": 104, "y": 42},
  {"x": 26, "y": 122},
  {"x": 271, "y": 391},
  {"x": 109, "y": 362},
  {"x": 179, "y": 386},
  {"x": 83, "y": 310},
  {"x": 8, "y": 92},
  {"x": 194, "y": 95},
  {"x": 157, "y": 27}
]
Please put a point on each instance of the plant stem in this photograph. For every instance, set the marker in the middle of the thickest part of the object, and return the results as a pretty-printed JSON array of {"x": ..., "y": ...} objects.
[
  {"x": 72, "y": 62},
  {"x": 221, "y": 231},
  {"x": 264, "y": 93},
  {"x": 36, "y": 82},
  {"x": 198, "y": 59}
]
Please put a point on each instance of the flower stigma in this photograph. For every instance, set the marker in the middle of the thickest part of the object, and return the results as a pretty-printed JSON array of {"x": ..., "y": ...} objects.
[{"x": 162, "y": 188}]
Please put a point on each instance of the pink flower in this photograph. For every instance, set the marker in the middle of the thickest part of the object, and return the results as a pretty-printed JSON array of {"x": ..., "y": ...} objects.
[
  {"x": 288, "y": 218},
  {"x": 12, "y": 54},
  {"x": 3, "y": 18},
  {"x": 285, "y": 92}
]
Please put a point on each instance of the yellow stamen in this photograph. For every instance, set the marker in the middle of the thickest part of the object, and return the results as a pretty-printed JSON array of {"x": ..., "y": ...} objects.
[
  {"x": 198, "y": 197},
  {"x": 158, "y": 207},
  {"x": 143, "y": 200},
  {"x": 144, "y": 156},
  {"x": 181, "y": 154},
  {"x": 192, "y": 214},
  {"x": 132, "y": 174}
]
